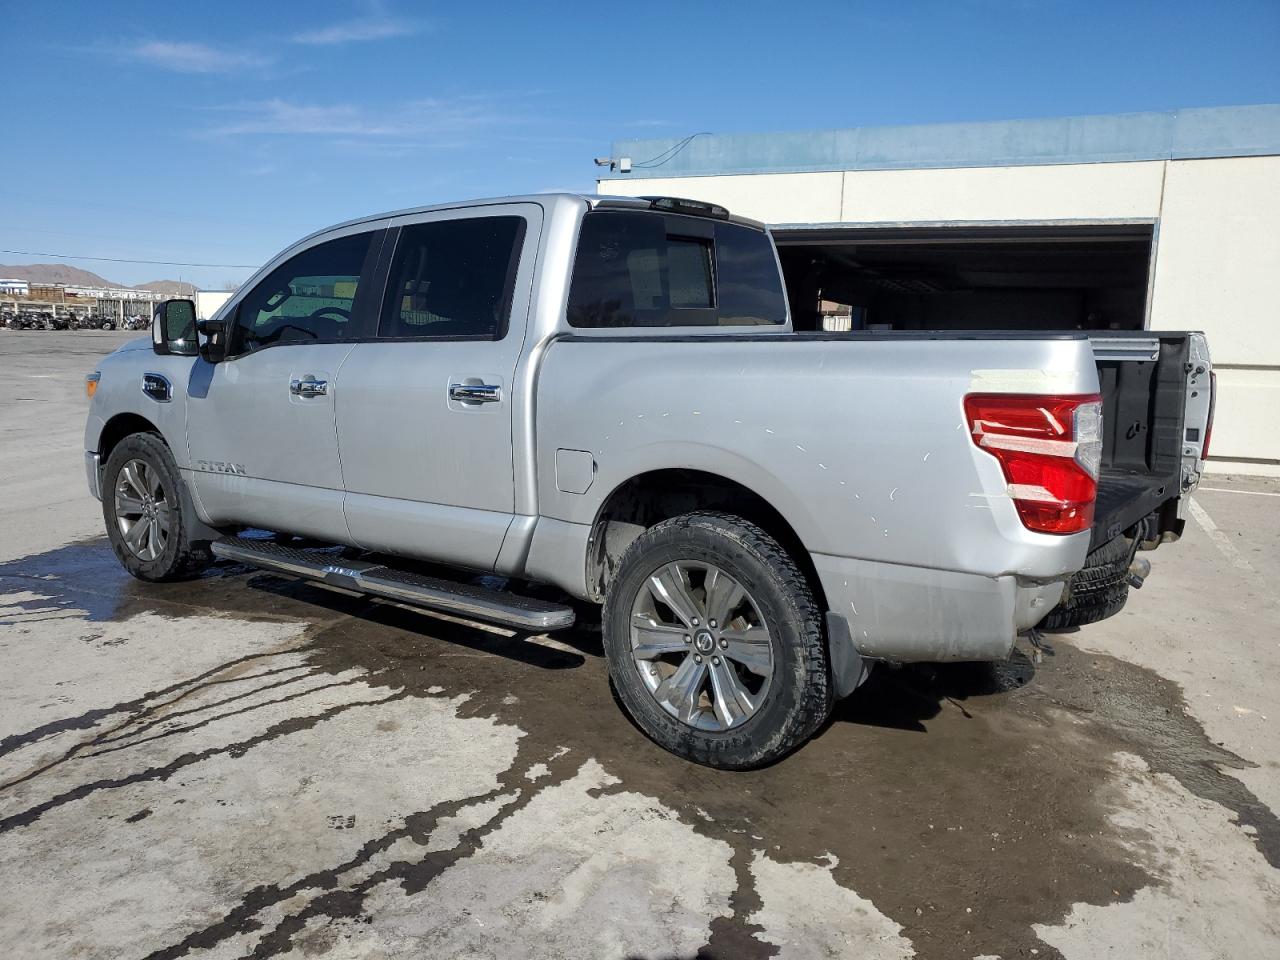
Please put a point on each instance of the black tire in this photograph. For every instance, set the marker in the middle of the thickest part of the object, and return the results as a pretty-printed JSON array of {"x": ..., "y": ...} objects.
[
  {"x": 799, "y": 696},
  {"x": 1098, "y": 591},
  {"x": 181, "y": 556}
]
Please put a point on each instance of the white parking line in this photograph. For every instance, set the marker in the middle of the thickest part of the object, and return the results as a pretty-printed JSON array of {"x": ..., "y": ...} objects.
[
  {"x": 1247, "y": 493},
  {"x": 1220, "y": 539}
]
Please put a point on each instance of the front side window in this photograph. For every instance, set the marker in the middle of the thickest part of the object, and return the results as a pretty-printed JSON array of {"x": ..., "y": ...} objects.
[
  {"x": 642, "y": 269},
  {"x": 453, "y": 278},
  {"x": 307, "y": 299}
]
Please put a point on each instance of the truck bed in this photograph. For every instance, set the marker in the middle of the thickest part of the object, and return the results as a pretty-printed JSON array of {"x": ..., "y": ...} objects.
[{"x": 1143, "y": 384}]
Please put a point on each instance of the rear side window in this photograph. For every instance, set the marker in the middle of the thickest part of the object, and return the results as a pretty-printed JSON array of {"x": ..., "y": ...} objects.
[
  {"x": 749, "y": 287},
  {"x": 453, "y": 278},
  {"x": 638, "y": 269}
]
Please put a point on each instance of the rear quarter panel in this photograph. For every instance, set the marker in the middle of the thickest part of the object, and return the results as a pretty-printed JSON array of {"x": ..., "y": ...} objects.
[{"x": 861, "y": 444}]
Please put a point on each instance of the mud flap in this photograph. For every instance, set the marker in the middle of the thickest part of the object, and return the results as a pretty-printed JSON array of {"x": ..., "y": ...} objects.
[
  {"x": 848, "y": 668},
  {"x": 198, "y": 530}
]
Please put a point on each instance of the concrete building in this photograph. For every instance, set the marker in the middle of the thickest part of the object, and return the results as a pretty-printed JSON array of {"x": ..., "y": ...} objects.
[
  {"x": 208, "y": 302},
  {"x": 1137, "y": 221}
]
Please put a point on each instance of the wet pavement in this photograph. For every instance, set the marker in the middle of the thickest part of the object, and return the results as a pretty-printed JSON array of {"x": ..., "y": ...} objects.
[{"x": 246, "y": 765}]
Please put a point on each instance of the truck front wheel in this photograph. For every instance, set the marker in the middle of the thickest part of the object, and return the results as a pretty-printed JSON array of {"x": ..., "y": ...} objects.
[
  {"x": 715, "y": 642},
  {"x": 142, "y": 507}
]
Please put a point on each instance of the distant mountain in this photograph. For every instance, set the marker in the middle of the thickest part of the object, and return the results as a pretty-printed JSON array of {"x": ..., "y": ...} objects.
[
  {"x": 170, "y": 288},
  {"x": 62, "y": 273},
  {"x": 53, "y": 273}
]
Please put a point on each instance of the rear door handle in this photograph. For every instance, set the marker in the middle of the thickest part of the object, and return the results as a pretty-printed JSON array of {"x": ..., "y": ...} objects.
[
  {"x": 308, "y": 387},
  {"x": 475, "y": 392}
]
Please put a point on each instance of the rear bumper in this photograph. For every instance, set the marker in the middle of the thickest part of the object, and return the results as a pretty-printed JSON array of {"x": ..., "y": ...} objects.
[
  {"x": 903, "y": 613},
  {"x": 93, "y": 474}
]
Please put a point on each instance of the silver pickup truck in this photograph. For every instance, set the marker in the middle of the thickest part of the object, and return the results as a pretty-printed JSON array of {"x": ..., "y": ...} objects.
[{"x": 606, "y": 395}]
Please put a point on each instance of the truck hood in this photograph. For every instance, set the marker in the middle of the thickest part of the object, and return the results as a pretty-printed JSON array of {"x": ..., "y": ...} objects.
[{"x": 142, "y": 343}]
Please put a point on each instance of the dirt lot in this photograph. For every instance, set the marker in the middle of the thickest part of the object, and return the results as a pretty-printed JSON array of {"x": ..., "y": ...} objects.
[{"x": 244, "y": 765}]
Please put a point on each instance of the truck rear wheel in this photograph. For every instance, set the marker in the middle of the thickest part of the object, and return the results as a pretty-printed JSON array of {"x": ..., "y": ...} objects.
[
  {"x": 715, "y": 643},
  {"x": 142, "y": 507}
]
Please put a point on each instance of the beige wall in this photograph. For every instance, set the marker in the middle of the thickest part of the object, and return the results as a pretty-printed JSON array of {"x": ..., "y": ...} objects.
[
  {"x": 1217, "y": 251},
  {"x": 1084, "y": 192},
  {"x": 771, "y": 197},
  {"x": 1218, "y": 270}
]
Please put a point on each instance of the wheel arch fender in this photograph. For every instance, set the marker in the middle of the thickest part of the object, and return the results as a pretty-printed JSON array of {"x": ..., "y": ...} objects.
[
  {"x": 715, "y": 480},
  {"x": 122, "y": 405},
  {"x": 617, "y": 468},
  {"x": 127, "y": 424},
  {"x": 115, "y": 429}
]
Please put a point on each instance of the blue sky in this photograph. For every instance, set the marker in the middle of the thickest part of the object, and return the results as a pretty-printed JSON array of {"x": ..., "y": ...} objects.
[{"x": 218, "y": 133}]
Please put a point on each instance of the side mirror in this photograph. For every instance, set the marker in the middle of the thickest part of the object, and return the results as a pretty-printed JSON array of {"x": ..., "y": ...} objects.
[{"x": 173, "y": 328}]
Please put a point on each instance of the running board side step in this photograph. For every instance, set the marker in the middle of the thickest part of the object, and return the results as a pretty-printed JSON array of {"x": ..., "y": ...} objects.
[{"x": 362, "y": 576}]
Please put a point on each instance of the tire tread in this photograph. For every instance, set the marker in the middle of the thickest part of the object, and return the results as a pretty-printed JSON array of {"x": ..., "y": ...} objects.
[{"x": 1098, "y": 591}]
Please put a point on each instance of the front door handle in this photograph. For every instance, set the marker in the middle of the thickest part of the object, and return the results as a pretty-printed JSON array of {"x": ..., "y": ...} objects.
[
  {"x": 308, "y": 387},
  {"x": 475, "y": 392}
]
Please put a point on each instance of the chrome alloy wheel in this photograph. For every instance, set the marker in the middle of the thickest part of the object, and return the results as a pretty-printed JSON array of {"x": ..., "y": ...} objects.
[
  {"x": 701, "y": 645},
  {"x": 143, "y": 511}
]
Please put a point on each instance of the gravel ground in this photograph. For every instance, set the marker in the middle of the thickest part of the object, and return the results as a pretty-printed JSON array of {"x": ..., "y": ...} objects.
[{"x": 245, "y": 765}]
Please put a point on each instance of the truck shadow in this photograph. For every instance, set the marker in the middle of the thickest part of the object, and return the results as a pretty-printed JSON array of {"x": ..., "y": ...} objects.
[
  {"x": 84, "y": 580},
  {"x": 894, "y": 697},
  {"x": 523, "y": 647},
  {"x": 902, "y": 698}
]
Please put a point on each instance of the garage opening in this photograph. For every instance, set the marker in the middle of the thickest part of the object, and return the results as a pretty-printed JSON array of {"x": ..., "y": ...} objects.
[{"x": 1024, "y": 277}]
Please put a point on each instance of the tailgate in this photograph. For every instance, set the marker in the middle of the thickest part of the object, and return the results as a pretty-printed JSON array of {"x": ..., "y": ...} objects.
[{"x": 1157, "y": 392}]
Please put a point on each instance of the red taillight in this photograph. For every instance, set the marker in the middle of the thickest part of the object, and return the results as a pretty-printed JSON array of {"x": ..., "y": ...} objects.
[
  {"x": 1050, "y": 448},
  {"x": 1213, "y": 403}
]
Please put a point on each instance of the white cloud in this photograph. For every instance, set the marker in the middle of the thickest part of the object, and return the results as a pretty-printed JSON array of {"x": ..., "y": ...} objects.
[
  {"x": 376, "y": 24},
  {"x": 414, "y": 119},
  {"x": 188, "y": 57}
]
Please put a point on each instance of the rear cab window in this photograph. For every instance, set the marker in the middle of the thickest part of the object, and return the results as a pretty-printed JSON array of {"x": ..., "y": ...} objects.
[{"x": 648, "y": 269}]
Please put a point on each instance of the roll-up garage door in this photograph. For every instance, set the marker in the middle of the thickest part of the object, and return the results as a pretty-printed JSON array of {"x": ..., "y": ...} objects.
[{"x": 968, "y": 277}]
